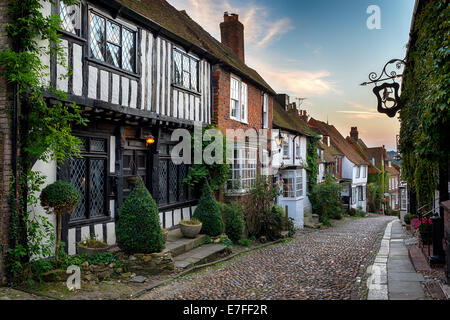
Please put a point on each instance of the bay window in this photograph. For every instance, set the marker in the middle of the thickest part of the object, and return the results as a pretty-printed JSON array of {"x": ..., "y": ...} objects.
[
  {"x": 238, "y": 100},
  {"x": 292, "y": 184},
  {"x": 297, "y": 149}
]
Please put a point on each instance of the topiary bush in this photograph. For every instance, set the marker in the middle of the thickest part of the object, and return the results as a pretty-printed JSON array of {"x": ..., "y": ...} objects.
[
  {"x": 208, "y": 212},
  {"x": 234, "y": 222},
  {"x": 59, "y": 198},
  {"x": 138, "y": 229}
]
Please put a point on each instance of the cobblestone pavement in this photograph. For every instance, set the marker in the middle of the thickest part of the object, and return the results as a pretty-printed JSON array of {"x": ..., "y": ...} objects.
[{"x": 329, "y": 264}]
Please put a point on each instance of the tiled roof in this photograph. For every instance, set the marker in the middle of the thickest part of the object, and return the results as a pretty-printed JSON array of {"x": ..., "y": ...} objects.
[
  {"x": 361, "y": 148},
  {"x": 392, "y": 171},
  {"x": 290, "y": 120},
  {"x": 378, "y": 153},
  {"x": 180, "y": 24},
  {"x": 339, "y": 141}
]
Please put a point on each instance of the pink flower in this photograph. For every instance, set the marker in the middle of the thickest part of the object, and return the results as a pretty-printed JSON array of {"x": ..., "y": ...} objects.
[{"x": 430, "y": 221}]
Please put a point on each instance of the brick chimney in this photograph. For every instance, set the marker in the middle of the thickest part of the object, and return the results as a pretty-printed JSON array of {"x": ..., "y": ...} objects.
[
  {"x": 354, "y": 133},
  {"x": 304, "y": 115},
  {"x": 232, "y": 34}
]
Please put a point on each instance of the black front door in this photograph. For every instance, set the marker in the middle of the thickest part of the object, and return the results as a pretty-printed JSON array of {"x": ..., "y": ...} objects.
[{"x": 135, "y": 163}]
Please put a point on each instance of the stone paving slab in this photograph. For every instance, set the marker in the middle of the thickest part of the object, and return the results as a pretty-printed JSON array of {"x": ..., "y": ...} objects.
[
  {"x": 406, "y": 276},
  {"x": 197, "y": 255},
  {"x": 405, "y": 290}
]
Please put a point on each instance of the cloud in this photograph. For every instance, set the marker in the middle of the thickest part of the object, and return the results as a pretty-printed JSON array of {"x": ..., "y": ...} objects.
[
  {"x": 296, "y": 82},
  {"x": 259, "y": 28}
]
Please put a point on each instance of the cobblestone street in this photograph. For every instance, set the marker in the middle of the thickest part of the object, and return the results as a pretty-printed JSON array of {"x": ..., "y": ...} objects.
[{"x": 329, "y": 264}]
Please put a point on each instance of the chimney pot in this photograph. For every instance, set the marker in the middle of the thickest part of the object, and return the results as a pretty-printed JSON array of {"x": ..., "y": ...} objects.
[
  {"x": 354, "y": 133},
  {"x": 232, "y": 34}
]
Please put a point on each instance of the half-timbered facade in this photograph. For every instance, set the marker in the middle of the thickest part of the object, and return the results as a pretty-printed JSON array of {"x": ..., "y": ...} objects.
[{"x": 136, "y": 81}]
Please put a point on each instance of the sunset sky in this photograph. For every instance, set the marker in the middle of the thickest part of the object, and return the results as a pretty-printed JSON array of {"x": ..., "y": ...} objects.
[{"x": 320, "y": 50}]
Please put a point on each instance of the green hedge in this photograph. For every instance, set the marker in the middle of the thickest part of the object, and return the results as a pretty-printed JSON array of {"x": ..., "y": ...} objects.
[{"x": 208, "y": 212}]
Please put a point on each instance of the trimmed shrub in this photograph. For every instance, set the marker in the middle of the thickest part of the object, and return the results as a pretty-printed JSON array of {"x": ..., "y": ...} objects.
[
  {"x": 234, "y": 221},
  {"x": 208, "y": 212},
  {"x": 138, "y": 229},
  {"x": 61, "y": 197}
]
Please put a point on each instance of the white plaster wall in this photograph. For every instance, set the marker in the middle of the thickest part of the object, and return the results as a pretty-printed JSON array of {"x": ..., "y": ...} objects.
[{"x": 49, "y": 171}]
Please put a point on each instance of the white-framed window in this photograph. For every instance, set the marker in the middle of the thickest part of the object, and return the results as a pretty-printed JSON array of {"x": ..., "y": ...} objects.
[
  {"x": 361, "y": 193},
  {"x": 265, "y": 111},
  {"x": 238, "y": 100},
  {"x": 364, "y": 170},
  {"x": 357, "y": 171},
  {"x": 337, "y": 165},
  {"x": 292, "y": 184},
  {"x": 286, "y": 147},
  {"x": 297, "y": 148},
  {"x": 243, "y": 167},
  {"x": 265, "y": 163},
  {"x": 299, "y": 183},
  {"x": 353, "y": 195}
]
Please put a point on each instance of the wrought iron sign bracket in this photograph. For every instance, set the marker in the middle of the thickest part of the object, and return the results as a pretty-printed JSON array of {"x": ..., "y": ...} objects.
[{"x": 386, "y": 103}]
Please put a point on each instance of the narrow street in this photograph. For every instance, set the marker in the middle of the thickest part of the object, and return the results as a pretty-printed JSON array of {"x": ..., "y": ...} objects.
[{"x": 330, "y": 264}]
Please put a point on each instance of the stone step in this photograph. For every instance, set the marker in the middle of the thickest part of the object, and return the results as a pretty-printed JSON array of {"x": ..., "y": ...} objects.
[
  {"x": 201, "y": 254},
  {"x": 178, "y": 245}
]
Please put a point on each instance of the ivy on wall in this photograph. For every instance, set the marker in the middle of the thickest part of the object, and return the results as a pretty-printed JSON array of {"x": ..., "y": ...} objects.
[
  {"x": 425, "y": 117},
  {"x": 44, "y": 129},
  {"x": 312, "y": 165}
]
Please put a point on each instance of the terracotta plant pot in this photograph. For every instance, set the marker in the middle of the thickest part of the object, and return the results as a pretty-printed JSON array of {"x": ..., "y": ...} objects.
[{"x": 190, "y": 230}]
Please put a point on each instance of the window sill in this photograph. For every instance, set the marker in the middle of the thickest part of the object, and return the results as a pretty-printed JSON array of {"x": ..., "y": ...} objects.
[
  {"x": 113, "y": 68},
  {"x": 71, "y": 35},
  {"x": 238, "y": 120},
  {"x": 197, "y": 93}
]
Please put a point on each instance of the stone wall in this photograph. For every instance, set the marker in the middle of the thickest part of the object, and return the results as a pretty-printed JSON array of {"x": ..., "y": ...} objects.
[{"x": 5, "y": 148}]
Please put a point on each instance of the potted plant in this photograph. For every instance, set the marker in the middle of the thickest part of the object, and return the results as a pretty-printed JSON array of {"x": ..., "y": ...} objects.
[
  {"x": 59, "y": 198},
  {"x": 91, "y": 247},
  {"x": 190, "y": 228},
  {"x": 425, "y": 227}
]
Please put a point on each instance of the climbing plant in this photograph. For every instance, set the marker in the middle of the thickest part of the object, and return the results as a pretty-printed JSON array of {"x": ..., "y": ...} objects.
[
  {"x": 425, "y": 117},
  {"x": 312, "y": 166},
  {"x": 44, "y": 128}
]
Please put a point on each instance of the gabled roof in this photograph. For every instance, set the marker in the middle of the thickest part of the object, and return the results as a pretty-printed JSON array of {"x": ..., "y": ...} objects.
[
  {"x": 361, "y": 148},
  {"x": 392, "y": 171},
  {"x": 290, "y": 120},
  {"x": 338, "y": 141},
  {"x": 180, "y": 24}
]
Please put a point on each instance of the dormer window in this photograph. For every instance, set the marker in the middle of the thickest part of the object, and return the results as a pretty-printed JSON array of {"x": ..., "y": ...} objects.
[{"x": 112, "y": 43}]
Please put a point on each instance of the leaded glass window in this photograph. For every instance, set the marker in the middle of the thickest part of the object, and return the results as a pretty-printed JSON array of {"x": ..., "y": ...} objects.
[
  {"x": 70, "y": 17},
  {"x": 112, "y": 43},
  {"x": 185, "y": 70},
  {"x": 88, "y": 174}
]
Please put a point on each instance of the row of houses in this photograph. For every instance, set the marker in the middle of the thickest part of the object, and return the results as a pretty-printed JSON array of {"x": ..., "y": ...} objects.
[{"x": 142, "y": 69}]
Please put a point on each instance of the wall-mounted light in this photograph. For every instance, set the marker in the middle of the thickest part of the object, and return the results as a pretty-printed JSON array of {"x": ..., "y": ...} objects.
[
  {"x": 279, "y": 140},
  {"x": 149, "y": 140}
]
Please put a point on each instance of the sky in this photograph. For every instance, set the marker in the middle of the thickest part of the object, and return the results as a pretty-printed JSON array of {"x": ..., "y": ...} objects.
[{"x": 320, "y": 50}]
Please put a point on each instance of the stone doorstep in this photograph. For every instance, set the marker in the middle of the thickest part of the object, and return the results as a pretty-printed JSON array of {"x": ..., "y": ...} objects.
[
  {"x": 178, "y": 245},
  {"x": 198, "y": 255}
]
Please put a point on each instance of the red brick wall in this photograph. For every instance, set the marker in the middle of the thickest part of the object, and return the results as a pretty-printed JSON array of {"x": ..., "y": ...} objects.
[
  {"x": 221, "y": 106},
  {"x": 5, "y": 150}
]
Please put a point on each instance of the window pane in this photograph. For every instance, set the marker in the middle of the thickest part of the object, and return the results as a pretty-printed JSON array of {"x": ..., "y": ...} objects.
[
  {"x": 113, "y": 32},
  {"x": 98, "y": 145},
  {"x": 97, "y": 36},
  {"x": 78, "y": 179},
  {"x": 128, "y": 50},
  {"x": 163, "y": 181},
  {"x": 112, "y": 54},
  {"x": 194, "y": 72},
  {"x": 177, "y": 67},
  {"x": 70, "y": 17},
  {"x": 97, "y": 188},
  {"x": 186, "y": 79}
]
